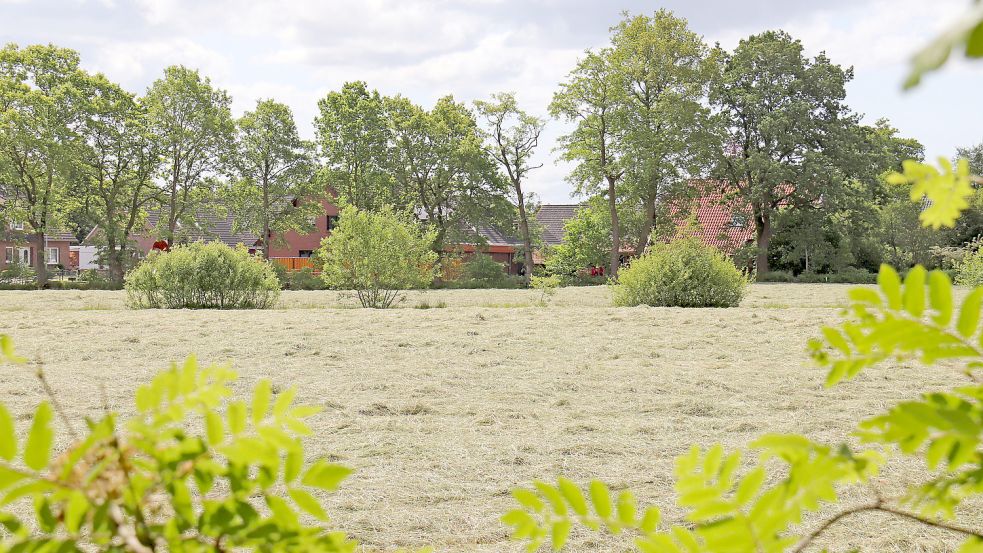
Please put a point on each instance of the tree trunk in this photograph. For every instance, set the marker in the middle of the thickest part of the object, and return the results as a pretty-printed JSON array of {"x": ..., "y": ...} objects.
[
  {"x": 647, "y": 225},
  {"x": 40, "y": 263},
  {"x": 524, "y": 228},
  {"x": 762, "y": 224},
  {"x": 615, "y": 262}
]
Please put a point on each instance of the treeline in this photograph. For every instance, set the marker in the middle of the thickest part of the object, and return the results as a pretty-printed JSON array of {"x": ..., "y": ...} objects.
[{"x": 656, "y": 118}]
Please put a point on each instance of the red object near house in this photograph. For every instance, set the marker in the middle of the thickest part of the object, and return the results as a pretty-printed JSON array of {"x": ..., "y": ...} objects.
[{"x": 161, "y": 245}]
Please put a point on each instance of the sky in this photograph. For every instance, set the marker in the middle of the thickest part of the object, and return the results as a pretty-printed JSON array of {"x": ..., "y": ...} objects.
[{"x": 296, "y": 51}]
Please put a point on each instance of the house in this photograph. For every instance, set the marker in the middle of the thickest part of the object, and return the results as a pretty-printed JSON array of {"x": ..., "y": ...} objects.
[
  {"x": 716, "y": 219},
  {"x": 291, "y": 249},
  {"x": 506, "y": 247},
  {"x": 18, "y": 246}
]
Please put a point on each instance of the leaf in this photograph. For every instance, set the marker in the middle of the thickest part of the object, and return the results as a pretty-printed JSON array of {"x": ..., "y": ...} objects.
[
  {"x": 560, "y": 533},
  {"x": 573, "y": 496},
  {"x": 626, "y": 508},
  {"x": 283, "y": 401},
  {"x": 940, "y": 297},
  {"x": 213, "y": 427},
  {"x": 37, "y": 449},
  {"x": 601, "y": 498},
  {"x": 261, "y": 400},
  {"x": 914, "y": 291},
  {"x": 528, "y": 499},
  {"x": 326, "y": 476},
  {"x": 7, "y": 350},
  {"x": 9, "y": 476},
  {"x": 75, "y": 509},
  {"x": 308, "y": 503},
  {"x": 890, "y": 284},
  {"x": 292, "y": 464},
  {"x": 237, "y": 417},
  {"x": 8, "y": 436},
  {"x": 969, "y": 314}
]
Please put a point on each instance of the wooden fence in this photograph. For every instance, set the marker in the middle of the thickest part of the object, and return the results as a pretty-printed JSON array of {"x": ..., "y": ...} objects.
[{"x": 294, "y": 263}]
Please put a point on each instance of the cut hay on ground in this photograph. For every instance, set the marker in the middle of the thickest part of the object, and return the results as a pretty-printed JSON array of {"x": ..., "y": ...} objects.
[{"x": 442, "y": 411}]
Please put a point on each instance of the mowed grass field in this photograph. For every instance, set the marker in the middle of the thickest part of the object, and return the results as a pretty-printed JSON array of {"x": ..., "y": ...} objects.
[{"x": 442, "y": 411}]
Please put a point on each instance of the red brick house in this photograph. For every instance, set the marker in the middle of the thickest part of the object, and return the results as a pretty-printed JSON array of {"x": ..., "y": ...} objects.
[
  {"x": 17, "y": 246},
  {"x": 292, "y": 249},
  {"x": 717, "y": 220}
]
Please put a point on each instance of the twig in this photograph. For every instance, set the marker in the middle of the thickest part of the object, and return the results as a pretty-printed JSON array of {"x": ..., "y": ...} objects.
[
  {"x": 54, "y": 401},
  {"x": 880, "y": 506}
]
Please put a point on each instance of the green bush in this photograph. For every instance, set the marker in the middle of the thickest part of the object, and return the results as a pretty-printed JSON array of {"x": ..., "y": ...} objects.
[
  {"x": 202, "y": 276},
  {"x": 684, "y": 273},
  {"x": 378, "y": 254},
  {"x": 969, "y": 271},
  {"x": 304, "y": 279},
  {"x": 482, "y": 271},
  {"x": 776, "y": 276},
  {"x": 17, "y": 273}
]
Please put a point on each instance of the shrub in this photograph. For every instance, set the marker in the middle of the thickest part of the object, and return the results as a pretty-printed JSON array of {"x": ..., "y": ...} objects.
[
  {"x": 202, "y": 276},
  {"x": 684, "y": 273},
  {"x": 180, "y": 475},
  {"x": 378, "y": 254},
  {"x": 304, "y": 279},
  {"x": 482, "y": 271},
  {"x": 776, "y": 276},
  {"x": 969, "y": 271},
  {"x": 17, "y": 273},
  {"x": 547, "y": 285}
]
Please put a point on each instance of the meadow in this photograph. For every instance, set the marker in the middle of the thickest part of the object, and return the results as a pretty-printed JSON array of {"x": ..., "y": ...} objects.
[{"x": 441, "y": 411}]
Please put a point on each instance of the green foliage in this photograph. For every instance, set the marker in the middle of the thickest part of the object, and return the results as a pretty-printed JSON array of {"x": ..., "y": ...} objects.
[
  {"x": 378, "y": 254},
  {"x": 202, "y": 276},
  {"x": 683, "y": 273},
  {"x": 586, "y": 241},
  {"x": 547, "y": 286},
  {"x": 275, "y": 190},
  {"x": 482, "y": 271},
  {"x": 966, "y": 33},
  {"x": 969, "y": 271},
  {"x": 947, "y": 191},
  {"x": 304, "y": 279},
  {"x": 181, "y": 474},
  {"x": 16, "y": 273},
  {"x": 191, "y": 122}
]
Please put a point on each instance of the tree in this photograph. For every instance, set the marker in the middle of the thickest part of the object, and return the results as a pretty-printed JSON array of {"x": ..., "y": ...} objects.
[
  {"x": 40, "y": 107},
  {"x": 442, "y": 169},
  {"x": 591, "y": 98},
  {"x": 514, "y": 136},
  {"x": 974, "y": 155},
  {"x": 192, "y": 121},
  {"x": 354, "y": 136},
  {"x": 587, "y": 238},
  {"x": 378, "y": 254},
  {"x": 784, "y": 125},
  {"x": 275, "y": 172},
  {"x": 116, "y": 170},
  {"x": 664, "y": 68}
]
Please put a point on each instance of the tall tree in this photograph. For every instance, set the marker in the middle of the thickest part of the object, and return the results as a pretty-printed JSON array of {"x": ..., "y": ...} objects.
[
  {"x": 783, "y": 118},
  {"x": 354, "y": 137},
  {"x": 592, "y": 98},
  {"x": 664, "y": 68},
  {"x": 116, "y": 170},
  {"x": 40, "y": 103},
  {"x": 194, "y": 126},
  {"x": 513, "y": 135},
  {"x": 276, "y": 190},
  {"x": 974, "y": 154},
  {"x": 442, "y": 169}
]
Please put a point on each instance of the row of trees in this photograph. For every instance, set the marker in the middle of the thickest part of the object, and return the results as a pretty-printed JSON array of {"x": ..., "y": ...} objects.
[
  {"x": 657, "y": 116},
  {"x": 77, "y": 150}
]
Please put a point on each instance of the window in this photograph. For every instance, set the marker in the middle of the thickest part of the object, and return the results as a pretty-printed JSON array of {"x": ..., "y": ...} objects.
[
  {"x": 24, "y": 256},
  {"x": 739, "y": 220},
  {"x": 51, "y": 256},
  {"x": 305, "y": 253},
  {"x": 8, "y": 255},
  {"x": 332, "y": 221},
  {"x": 17, "y": 226}
]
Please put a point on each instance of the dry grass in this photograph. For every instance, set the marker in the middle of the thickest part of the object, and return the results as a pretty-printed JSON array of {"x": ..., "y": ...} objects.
[{"x": 442, "y": 411}]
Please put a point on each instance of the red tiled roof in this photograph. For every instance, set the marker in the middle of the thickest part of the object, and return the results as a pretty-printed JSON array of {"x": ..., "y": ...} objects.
[{"x": 719, "y": 221}]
